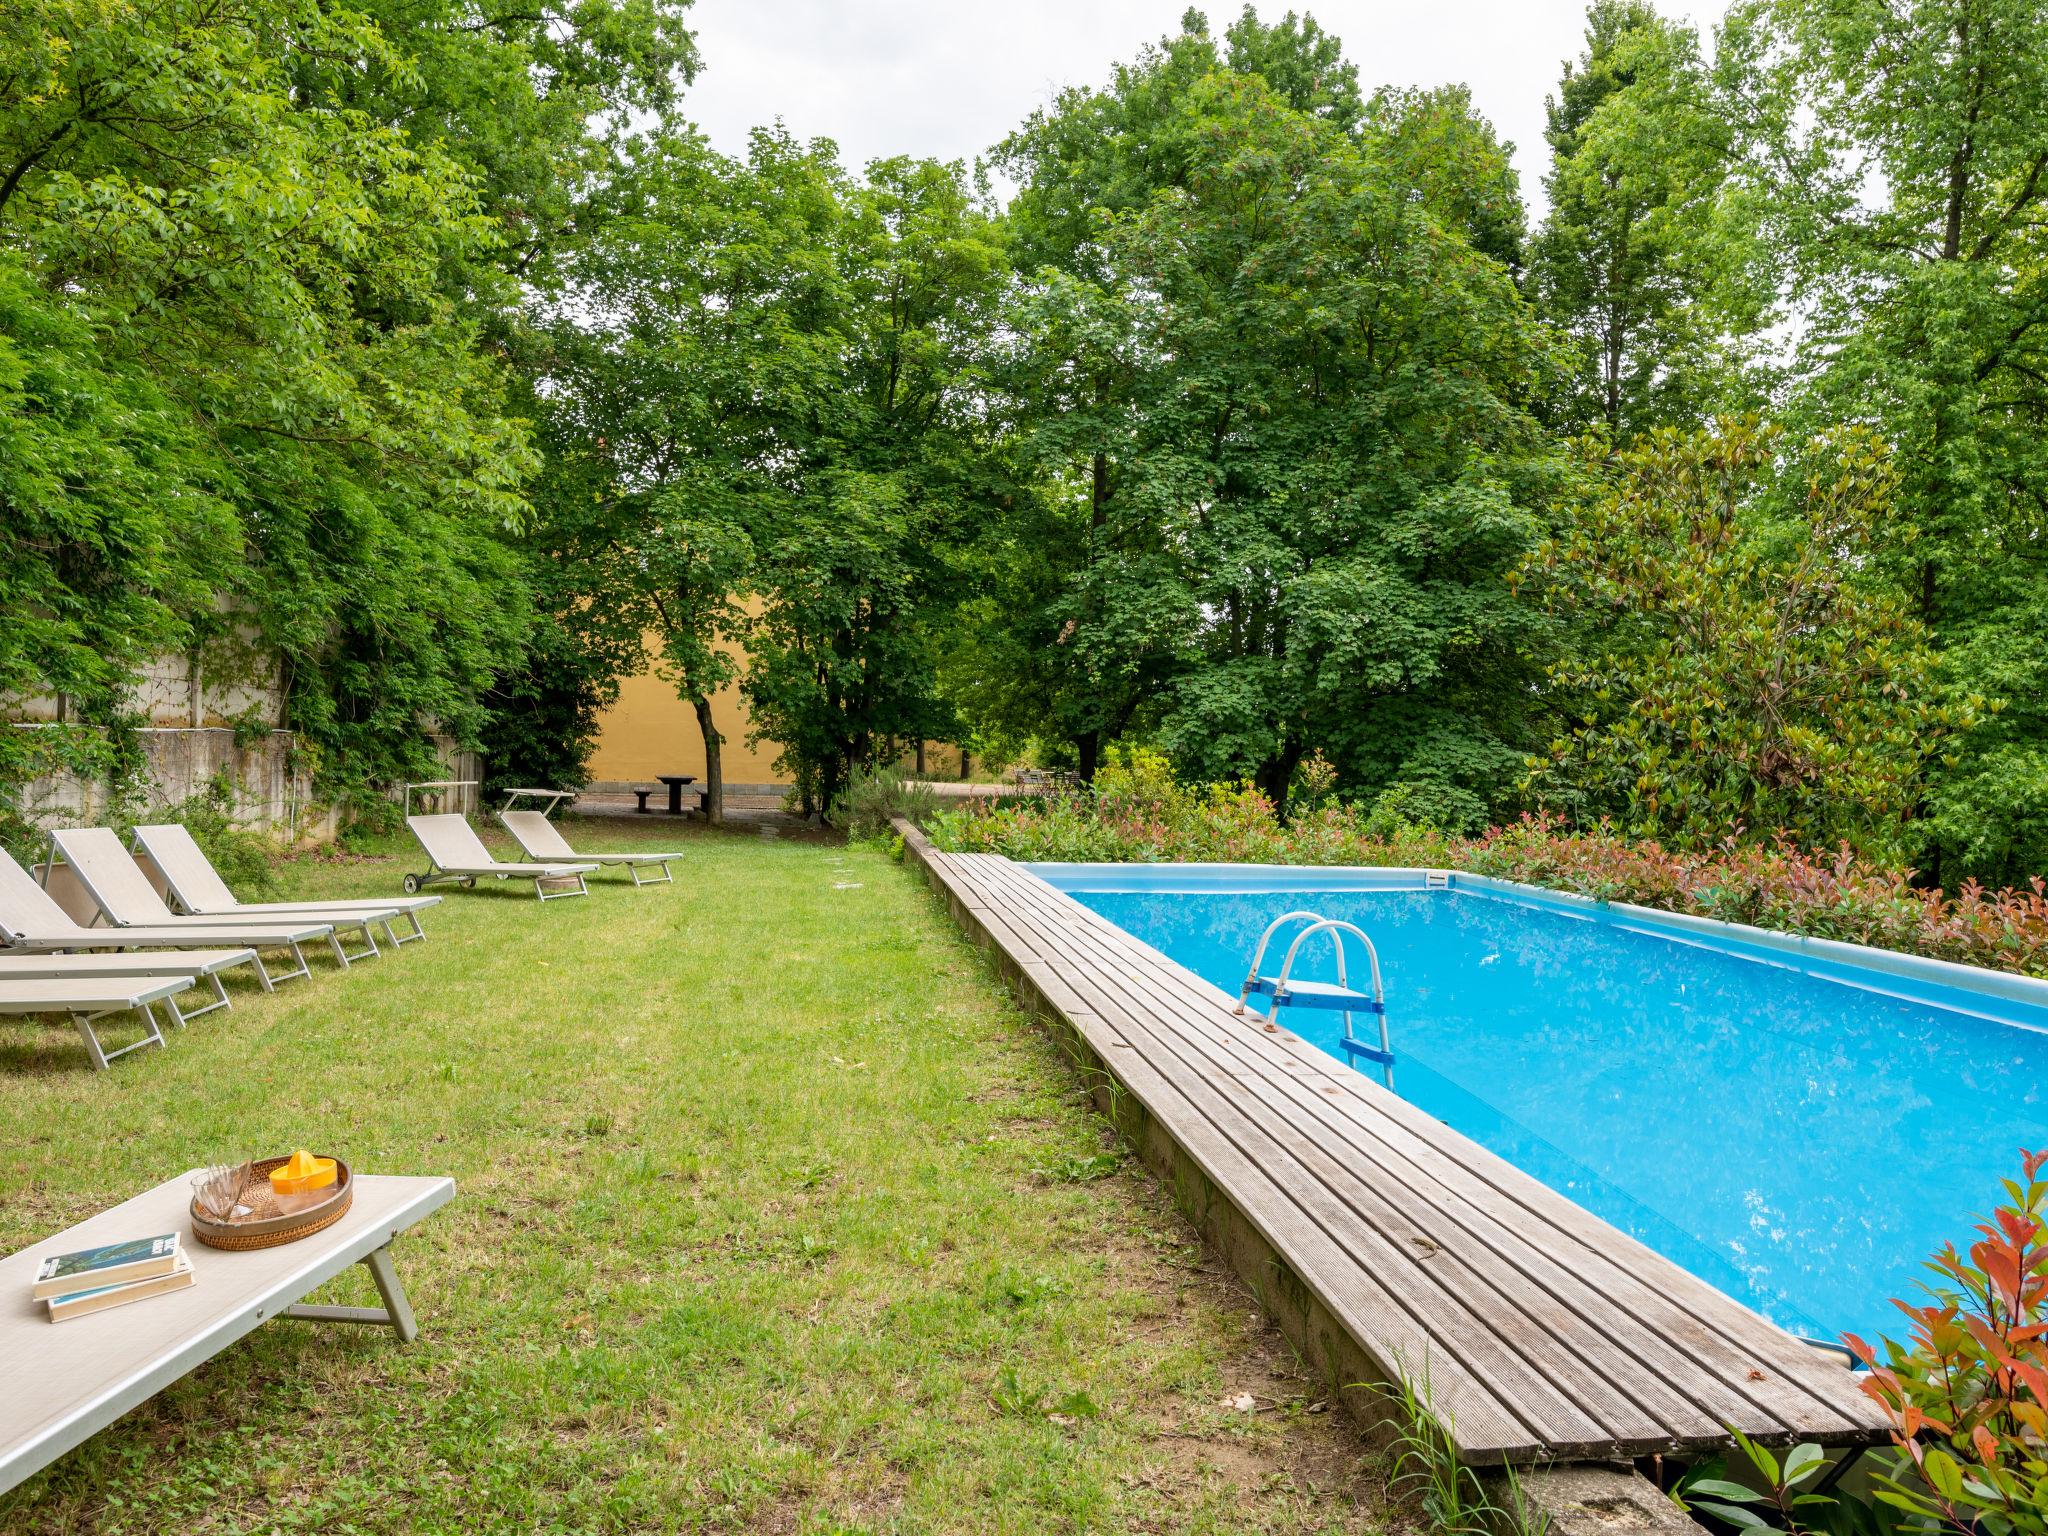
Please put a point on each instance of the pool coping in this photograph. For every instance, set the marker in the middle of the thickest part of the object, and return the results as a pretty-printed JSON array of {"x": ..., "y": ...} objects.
[{"x": 1267, "y": 1083}]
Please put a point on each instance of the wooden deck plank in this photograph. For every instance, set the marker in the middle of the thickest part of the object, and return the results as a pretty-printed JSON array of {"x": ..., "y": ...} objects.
[
  {"x": 1447, "y": 1308},
  {"x": 1807, "y": 1396},
  {"x": 1455, "y": 1210},
  {"x": 1539, "y": 1322},
  {"x": 1430, "y": 1235},
  {"x": 1355, "y": 1296},
  {"x": 1637, "y": 1409}
]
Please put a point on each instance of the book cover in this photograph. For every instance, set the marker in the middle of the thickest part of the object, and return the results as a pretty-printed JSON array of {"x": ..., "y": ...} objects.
[
  {"x": 79, "y": 1303},
  {"x": 110, "y": 1264}
]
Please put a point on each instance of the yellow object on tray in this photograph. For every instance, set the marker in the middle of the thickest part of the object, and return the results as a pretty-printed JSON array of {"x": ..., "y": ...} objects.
[{"x": 303, "y": 1174}]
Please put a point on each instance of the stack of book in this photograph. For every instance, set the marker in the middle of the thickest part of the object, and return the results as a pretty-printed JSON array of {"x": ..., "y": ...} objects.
[{"x": 93, "y": 1279}]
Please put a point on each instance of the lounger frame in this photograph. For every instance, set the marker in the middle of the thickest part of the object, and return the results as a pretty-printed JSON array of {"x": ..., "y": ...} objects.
[
  {"x": 633, "y": 862},
  {"x": 185, "y": 900},
  {"x": 436, "y": 875},
  {"x": 298, "y": 953},
  {"x": 469, "y": 874},
  {"x": 85, "y": 1018}
]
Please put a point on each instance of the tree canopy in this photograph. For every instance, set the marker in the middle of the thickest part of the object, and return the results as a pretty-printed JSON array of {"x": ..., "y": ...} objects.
[{"x": 1259, "y": 422}]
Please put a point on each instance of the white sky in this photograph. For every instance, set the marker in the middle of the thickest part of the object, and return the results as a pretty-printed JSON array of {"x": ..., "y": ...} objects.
[{"x": 948, "y": 78}]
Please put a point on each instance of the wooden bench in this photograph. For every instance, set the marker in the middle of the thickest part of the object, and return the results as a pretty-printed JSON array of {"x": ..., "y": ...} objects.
[{"x": 66, "y": 1381}]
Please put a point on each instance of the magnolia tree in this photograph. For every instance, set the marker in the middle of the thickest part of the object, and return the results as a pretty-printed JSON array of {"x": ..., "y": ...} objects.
[{"x": 1734, "y": 660}]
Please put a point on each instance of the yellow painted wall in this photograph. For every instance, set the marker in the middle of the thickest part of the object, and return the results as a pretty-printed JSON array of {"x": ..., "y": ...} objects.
[{"x": 650, "y": 730}]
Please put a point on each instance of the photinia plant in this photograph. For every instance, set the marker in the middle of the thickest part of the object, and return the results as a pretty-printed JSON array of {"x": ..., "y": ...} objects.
[
  {"x": 1138, "y": 813},
  {"x": 1968, "y": 1397}
]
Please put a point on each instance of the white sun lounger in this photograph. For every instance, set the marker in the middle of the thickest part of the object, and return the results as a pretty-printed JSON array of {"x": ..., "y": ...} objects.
[
  {"x": 455, "y": 852},
  {"x": 542, "y": 839},
  {"x": 67, "y": 1382},
  {"x": 88, "y": 999},
  {"x": 123, "y": 892},
  {"x": 196, "y": 963},
  {"x": 32, "y": 923},
  {"x": 197, "y": 888}
]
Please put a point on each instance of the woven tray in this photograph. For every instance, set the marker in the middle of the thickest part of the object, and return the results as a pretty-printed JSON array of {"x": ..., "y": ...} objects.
[{"x": 265, "y": 1227}]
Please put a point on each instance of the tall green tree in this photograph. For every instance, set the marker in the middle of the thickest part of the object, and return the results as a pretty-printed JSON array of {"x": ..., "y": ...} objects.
[
  {"x": 1733, "y": 665},
  {"x": 1643, "y": 262},
  {"x": 1285, "y": 471},
  {"x": 885, "y": 472},
  {"x": 1899, "y": 155},
  {"x": 696, "y": 338},
  {"x": 261, "y": 274}
]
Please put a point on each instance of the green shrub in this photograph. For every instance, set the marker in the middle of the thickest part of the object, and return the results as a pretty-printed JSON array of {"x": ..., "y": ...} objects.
[{"x": 873, "y": 796}]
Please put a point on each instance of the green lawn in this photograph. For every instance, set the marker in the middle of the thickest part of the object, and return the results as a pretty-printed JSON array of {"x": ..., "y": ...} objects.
[{"x": 774, "y": 1214}]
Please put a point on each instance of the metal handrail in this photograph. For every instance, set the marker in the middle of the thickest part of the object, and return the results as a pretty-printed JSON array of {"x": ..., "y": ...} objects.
[
  {"x": 1259, "y": 954},
  {"x": 438, "y": 784},
  {"x": 1336, "y": 928}
]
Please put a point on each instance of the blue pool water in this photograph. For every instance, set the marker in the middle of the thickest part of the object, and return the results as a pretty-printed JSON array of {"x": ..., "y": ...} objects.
[{"x": 1800, "y": 1135}]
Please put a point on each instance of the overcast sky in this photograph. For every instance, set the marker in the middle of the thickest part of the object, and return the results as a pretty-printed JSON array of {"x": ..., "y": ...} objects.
[{"x": 948, "y": 78}]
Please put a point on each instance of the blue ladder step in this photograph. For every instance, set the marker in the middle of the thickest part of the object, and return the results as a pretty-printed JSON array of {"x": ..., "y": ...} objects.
[
  {"x": 1369, "y": 1052},
  {"x": 1316, "y": 994}
]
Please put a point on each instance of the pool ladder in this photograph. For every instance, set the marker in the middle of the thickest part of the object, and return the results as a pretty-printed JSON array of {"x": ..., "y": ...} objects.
[{"x": 1285, "y": 992}]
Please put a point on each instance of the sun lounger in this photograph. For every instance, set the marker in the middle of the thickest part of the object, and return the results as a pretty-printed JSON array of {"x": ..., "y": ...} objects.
[
  {"x": 124, "y": 894},
  {"x": 542, "y": 839},
  {"x": 197, "y": 888},
  {"x": 196, "y": 963},
  {"x": 32, "y": 923},
  {"x": 455, "y": 852},
  {"x": 66, "y": 1383},
  {"x": 88, "y": 999}
]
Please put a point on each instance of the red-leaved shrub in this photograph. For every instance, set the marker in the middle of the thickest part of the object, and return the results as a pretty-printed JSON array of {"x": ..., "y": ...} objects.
[
  {"x": 1140, "y": 815},
  {"x": 1968, "y": 1396}
]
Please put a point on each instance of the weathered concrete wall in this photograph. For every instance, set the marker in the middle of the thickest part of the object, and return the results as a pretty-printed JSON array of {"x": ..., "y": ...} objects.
[
  {"x": 229, "y": 681},
  {"x": 269, "y": 788},
  {"x": 270, "y": 791}
]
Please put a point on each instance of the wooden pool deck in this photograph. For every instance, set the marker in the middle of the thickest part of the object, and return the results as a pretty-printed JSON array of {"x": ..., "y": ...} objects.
[{"x": 1390, "y": 1244}]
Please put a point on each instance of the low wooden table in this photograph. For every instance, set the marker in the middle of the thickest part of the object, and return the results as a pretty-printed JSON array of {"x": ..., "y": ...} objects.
[
  {"x": 675, "y": 783},
  {"x": 66, "y": 1381}
]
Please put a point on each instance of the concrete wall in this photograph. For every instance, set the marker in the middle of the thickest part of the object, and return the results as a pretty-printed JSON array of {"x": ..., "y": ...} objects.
[{"x": 269, "y": 789}]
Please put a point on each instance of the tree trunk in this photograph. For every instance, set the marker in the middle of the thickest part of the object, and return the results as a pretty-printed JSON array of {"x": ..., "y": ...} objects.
[
  {"x": 1276, "y": 775},
  {"x": 830, "y": 777},
  {"x": 920, "y": 757},
  {"x": 714, "y": 765},
  {"x": 1088, "y": 754}
]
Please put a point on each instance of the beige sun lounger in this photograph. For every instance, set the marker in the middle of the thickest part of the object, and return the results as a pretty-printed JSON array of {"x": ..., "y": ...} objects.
[
  {"x": 122, "y": 891},
  {"x": 199, "y": 964},
  {"x": 32, "y": 923},
  {"x": 542, "y": 839},
  {"x": 88, "y": 999},
  {"x": 455, "y": 852},
  {"x": 197, "y": 888}
]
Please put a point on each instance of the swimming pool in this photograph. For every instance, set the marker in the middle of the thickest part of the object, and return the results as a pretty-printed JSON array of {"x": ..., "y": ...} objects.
[{"x": 1796, "y": 1122}]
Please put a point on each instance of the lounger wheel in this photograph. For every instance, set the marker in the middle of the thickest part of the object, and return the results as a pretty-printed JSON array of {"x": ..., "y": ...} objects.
[{"x": 411, "y": 885}]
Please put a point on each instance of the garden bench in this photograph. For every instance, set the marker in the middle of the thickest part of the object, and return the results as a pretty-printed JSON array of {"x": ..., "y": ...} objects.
[{"x": 66, "y": 1381}]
